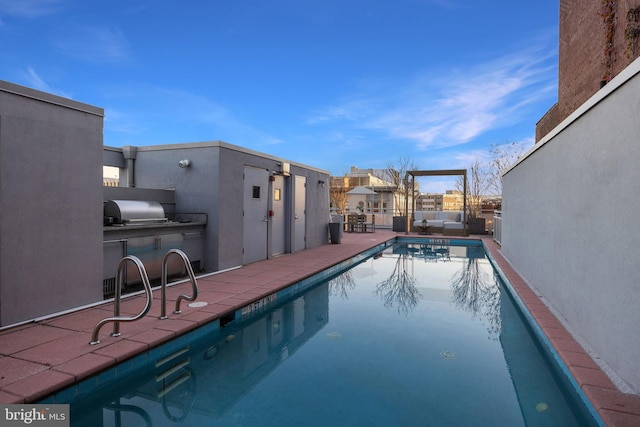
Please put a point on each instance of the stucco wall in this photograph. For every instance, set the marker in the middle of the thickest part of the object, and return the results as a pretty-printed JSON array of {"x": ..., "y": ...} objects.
[
  {"x": 196, "y": 187},
  {"x": 568, "y": 222},
  {"x": 317, "y": 207},
  {"x": 50, "y": 204},
  {"x": 213, "y": 185}
]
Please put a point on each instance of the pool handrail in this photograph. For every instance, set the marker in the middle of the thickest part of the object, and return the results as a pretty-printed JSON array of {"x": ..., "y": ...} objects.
[
  {"x": 118, "y": 408},
  {"x": 116, "y": 318},
  {"x": 163, "y": 287}
]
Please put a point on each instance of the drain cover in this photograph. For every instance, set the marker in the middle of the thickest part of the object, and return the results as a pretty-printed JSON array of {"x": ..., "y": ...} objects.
[
  {"x": 542, "y": 407},
  {"x": 448, "y": 354},
  {"x": 198, "y": 304}
]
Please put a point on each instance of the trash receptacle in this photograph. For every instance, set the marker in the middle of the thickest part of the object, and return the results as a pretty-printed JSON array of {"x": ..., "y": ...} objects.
[
  {"x": 334, "y": 232},
  {"x": 399, "y": 223},
  {"x": 335, "y": 228}
]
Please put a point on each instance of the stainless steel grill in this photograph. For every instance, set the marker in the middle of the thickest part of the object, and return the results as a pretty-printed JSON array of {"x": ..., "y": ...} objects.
[{"x": 134, "y": 211}]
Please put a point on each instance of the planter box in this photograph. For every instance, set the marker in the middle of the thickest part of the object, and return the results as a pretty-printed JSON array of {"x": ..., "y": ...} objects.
[
  {"x": 476, "y": 225},
  {"x": 399, "y": 223},
  {"x": 335, "y": 232}
]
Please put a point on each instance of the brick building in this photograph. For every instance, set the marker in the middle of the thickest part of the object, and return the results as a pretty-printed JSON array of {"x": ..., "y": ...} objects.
[{"x": 597, "y": 40}]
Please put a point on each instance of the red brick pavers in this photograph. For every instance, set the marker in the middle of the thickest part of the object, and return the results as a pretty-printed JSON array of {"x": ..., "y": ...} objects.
[{"x": 40, "y": 358}]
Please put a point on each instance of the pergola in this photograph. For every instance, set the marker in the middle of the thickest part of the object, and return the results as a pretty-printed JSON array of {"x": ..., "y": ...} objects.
[{"x": 443, "y": 172}]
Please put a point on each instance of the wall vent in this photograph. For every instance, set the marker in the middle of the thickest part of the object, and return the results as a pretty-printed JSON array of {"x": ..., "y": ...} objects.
[{"x": 109, "y": 287}]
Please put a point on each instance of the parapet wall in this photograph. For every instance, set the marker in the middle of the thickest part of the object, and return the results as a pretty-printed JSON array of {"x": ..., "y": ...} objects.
[
  {"x": 568, "y": 221},
  {"x": 50, "y": 209}
]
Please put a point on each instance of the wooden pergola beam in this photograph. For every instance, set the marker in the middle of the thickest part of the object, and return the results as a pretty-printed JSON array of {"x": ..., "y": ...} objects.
[{"x": 442, "y": 172}]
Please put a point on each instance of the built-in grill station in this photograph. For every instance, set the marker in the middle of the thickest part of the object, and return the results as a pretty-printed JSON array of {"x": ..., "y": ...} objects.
[
  {"x": 140, "y": 212},
  {"x": 145, "y": 229}
]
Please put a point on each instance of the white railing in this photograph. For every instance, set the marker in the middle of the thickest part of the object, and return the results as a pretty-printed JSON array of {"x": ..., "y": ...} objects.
[{"x": 497, "y": 227}]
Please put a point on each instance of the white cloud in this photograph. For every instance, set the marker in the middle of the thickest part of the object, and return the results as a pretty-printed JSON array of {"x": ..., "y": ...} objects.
[
  {"x": 94, "y": 44},
  {"x": 447, "y": 111},
  {"x": 185, "y": 111},
  {"x": 30, "y": 8},
  {"x": 121, "y": 123},
  {"x": 465, "y": 158},
  {"x": 189, "y": 107},
  {"x": 354, "y": 109},
  {"x": 34, "y": 80}
]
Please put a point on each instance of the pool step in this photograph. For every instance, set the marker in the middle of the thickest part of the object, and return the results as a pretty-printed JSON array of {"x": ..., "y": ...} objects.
[
  {"x": 167, "y": 388},
  {"x": 169, "y": 378},
  {"x": 171, "y": 356},
  {"x": 164, "y": 375}
]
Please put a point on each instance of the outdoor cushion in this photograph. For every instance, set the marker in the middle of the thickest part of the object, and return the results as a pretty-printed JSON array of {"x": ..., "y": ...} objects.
[
  {"x": 453, "y": 225},
  {"x": 435, "y": 218}
]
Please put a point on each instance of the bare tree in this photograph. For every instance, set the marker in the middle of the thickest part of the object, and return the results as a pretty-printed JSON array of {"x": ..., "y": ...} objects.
[
  {"x": 485, "y": 179},
  {"x": 503, "y": 156},
  {"x": 400, "y": 288},
  {"x": 477, "y": 186},
  {"x": 396, "y": 175},
  {"x": 338, "y": 188},
  {"x": 476, "y": 293},
  {"x": 342, "y": 284}
]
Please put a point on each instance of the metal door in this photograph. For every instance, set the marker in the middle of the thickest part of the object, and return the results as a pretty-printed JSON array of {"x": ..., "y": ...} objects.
[
  {"x": 299, "y": 214},
  {"x": 278, "y": 230},
  {"x": 255, "y": 214}
]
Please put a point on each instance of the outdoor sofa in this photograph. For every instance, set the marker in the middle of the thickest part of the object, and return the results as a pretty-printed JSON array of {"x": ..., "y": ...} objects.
[{"x": 445, "y": 222}]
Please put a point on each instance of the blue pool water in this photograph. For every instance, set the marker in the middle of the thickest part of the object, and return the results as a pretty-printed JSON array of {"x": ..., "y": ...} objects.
[{"x": 415, "y": 335}]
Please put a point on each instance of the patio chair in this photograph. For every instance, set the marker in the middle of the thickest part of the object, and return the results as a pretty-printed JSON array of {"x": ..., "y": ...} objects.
[
  {"x": 371, "y": 225},
  {"x": 354, "y": 223}
]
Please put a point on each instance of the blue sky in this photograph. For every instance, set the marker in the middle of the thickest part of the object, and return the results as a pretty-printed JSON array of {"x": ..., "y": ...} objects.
[{"x": 328, "y": 83}]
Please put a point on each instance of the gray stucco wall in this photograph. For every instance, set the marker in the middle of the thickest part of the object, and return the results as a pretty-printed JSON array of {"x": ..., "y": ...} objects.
[
  {"x": 568, "y": 222},
  {"x": 213, "y": 184},
  {"x": 196, "y": 187},
  {"x": 50, "y": 203},
  {"x": 317, "y": 209}
]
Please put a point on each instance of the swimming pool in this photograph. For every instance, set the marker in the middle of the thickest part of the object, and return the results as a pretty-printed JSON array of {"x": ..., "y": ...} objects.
[{"x": 416, "y": 334}]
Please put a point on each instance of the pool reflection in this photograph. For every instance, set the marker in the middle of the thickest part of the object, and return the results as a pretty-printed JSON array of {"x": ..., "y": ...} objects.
[
  {"x": 200, "y": 382},
  {"x": 430, "y": 337}
]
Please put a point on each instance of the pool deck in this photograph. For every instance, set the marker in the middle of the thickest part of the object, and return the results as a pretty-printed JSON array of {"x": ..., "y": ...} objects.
[{"x": 40, "y": 358}]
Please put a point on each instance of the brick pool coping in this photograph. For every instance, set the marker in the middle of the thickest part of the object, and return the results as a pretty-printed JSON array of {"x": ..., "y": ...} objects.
[{"x": 39, "y": 358}]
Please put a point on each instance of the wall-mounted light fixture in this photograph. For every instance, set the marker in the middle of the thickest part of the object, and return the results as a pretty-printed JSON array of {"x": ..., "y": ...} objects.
[
  {"x": 184, "y": 163},
  {"x": 321, "y": 183},
  {"x": 283, "y": 169}
]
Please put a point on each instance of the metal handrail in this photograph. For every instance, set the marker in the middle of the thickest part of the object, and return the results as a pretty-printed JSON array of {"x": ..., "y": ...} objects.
[
  {"x": 118, "y": 408},
  {"x": 192, "y": 278},
  {"x": 116, "y": 319}
]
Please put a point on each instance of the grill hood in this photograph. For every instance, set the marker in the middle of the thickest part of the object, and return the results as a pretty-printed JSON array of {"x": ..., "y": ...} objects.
[{"x": 134, "y": 211}]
